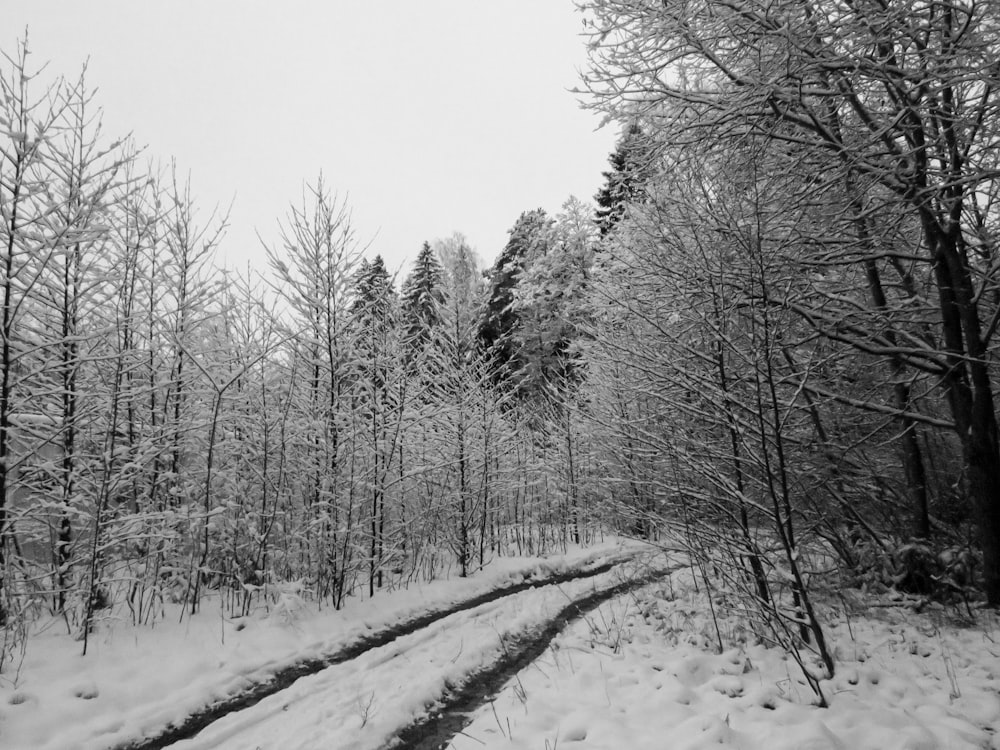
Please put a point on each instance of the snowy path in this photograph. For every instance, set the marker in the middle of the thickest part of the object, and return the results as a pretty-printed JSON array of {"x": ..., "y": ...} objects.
[
  {"x": 456, "y": 707},
  {"x": 135, "y": 682},
  {"x": 366, "y": 701},
  {"x": 288, "y": 676}
]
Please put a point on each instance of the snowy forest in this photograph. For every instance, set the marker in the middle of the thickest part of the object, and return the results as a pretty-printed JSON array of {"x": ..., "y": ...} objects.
[
  {"x": 168, "y": 428},
  {"x": 770, "y": 340}
]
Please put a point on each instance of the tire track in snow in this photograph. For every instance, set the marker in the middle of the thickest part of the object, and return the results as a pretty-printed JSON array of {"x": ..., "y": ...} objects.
[
  {"x": 285, "y": 677},
  {"x": 454, "y": 710}
]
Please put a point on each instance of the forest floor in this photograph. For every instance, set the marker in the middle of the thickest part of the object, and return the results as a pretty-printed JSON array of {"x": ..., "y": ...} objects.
[{"x": 643, "y": 669}]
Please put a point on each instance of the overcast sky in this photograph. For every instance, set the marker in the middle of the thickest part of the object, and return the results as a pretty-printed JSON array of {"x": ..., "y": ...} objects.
[{"x": 429, "y": 116}]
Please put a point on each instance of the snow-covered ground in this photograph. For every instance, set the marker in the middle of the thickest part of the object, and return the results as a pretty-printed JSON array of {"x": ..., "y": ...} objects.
[
  {"x": 363, "y": 703},
  {"x": 643, "y": 672},
  {"x": 135, "y": 681}
]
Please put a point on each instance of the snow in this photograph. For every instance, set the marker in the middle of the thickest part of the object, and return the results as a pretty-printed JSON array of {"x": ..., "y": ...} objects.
[
  {"x": 135, "y": 681},
  {"x": 363, "y": 703},
  {"x": 641, "y": 671}
]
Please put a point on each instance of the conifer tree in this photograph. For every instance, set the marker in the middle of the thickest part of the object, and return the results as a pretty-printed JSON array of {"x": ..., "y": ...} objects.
[
  {"x": 550, "y": 302},
  {"x": 529, "y": 238},
  {"x": 623, "y": 182},
  {"x": 422, "y": 297},
  {"x": 375, "y": 311}
]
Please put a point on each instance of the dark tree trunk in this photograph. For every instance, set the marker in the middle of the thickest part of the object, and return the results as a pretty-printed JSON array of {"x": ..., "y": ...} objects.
[{"x": 969, "y": 391}]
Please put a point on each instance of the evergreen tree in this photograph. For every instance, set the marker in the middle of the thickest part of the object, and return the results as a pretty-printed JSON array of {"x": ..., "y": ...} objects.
[
  {"x": 373, "y": 288},
  {"x": 623, "y": 183},
  {"x": 550, "y": 302},
  {"x": 530, "y": 237},
  {"x": 375, "y": 312},
  {"x": 422, "y": 297}
]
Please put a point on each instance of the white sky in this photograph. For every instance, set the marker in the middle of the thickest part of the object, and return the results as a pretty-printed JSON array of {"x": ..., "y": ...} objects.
[{"x": 430, "y": 116}]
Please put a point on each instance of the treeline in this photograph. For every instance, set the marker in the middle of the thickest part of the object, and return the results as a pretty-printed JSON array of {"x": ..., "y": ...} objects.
[
  {"x": 798, "y": 342},
  {"x": 168, "y": 429}
]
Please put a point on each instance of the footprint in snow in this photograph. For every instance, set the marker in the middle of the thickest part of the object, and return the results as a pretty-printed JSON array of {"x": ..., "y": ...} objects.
[{"x": 728, "y": 685}]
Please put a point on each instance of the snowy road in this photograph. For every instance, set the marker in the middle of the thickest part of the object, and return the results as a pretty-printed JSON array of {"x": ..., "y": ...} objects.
[
  {"x": 145, "y": 688},
  {"x": 365, "y": 702}
]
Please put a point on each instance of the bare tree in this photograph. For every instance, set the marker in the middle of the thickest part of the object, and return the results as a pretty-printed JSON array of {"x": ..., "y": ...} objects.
[
  {"x": 314, "y": 268},
  {"x": 901, "y": 96}
]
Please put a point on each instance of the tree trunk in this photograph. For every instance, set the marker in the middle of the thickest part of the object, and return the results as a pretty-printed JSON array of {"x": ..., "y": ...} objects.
[{"x": 970, "y": 393}]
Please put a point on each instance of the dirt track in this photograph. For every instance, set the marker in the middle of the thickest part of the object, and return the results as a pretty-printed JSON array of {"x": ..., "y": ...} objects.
[
  {"x": 454, "y": 710},
  {"x": 281, "y": 680}
]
